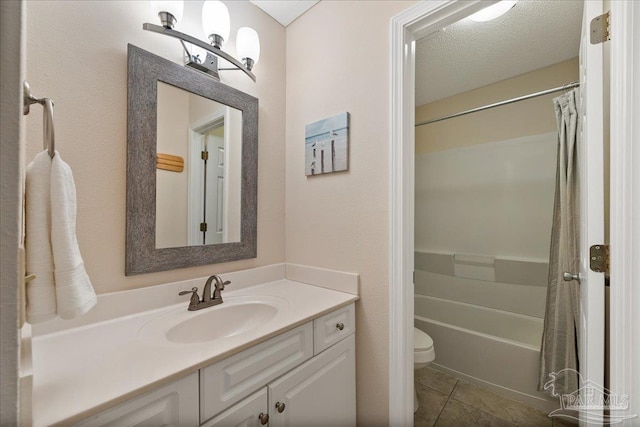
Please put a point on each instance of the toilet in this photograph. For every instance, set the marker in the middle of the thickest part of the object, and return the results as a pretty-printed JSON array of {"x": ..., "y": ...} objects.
[{"x": 423, "y": 354}]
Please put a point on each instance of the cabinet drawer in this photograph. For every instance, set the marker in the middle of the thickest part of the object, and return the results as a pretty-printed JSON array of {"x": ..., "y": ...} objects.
[
  {"x": 228, "y": 381},
  {"x": 173, "y": 405},
  {"x": 333, "y": 327}
]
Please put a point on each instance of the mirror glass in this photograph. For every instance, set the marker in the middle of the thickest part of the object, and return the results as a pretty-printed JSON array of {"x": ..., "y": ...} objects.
[{"x": 198, "y": 176}]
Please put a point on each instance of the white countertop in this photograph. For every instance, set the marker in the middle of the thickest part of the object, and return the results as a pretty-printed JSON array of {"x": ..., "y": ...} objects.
[{"x": 81, "y": 371}]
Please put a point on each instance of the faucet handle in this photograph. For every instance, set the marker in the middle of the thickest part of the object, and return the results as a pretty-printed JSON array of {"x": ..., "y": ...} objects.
[
  {"x": 195, "y": 299},
  {"x": 221, "y": 285},
  {"x": 193, "y": 291}
]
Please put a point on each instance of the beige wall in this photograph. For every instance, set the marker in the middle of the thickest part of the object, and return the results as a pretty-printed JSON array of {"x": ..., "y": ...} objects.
[
  {"x": 77, "y": 55},
  {"x": 338, "y": 60},
  {"x": 531, "y": 117}
]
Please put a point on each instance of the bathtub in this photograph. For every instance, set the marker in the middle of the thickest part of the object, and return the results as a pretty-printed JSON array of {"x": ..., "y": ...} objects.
[{"x": 496, "y": 349}]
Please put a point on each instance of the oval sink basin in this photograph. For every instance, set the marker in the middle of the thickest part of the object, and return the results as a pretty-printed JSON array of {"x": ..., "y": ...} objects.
[
  {"x": 221, "y": 322},
  {"x": 235, "y": 316}
]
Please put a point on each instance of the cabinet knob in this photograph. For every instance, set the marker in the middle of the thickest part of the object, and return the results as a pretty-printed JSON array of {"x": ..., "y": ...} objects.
[
  {"x": 340, "y": 326},
  {"x": 264, "y": 418},
  {"x": 280, "y": 407}
]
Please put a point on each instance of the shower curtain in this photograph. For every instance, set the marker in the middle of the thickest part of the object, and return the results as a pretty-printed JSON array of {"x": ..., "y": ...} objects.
[{"x": 559, "y": 350}]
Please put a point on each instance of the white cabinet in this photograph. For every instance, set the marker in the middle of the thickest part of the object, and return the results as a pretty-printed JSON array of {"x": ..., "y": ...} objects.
[
  {"x": 242, "y": 390},
  {"x": 322, "y": 391},
  {"x": 174, "y": 405},
  {"x": 250, "y": 412}
]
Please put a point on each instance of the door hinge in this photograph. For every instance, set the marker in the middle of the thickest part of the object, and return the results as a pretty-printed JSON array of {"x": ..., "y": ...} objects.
[
  {"x": 600, "y": 28},
  {"x": 205, "y": 155},
  {"x": 599, "y": 258},
  {"x": 203, "y": 226}
]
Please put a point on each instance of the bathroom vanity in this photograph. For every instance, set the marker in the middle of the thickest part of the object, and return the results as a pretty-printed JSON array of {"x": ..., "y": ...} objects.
[{"x": 285, "y": 356}]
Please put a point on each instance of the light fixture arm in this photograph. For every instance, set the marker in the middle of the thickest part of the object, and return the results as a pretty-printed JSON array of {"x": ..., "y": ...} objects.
[{"x": 194, "y": 41}]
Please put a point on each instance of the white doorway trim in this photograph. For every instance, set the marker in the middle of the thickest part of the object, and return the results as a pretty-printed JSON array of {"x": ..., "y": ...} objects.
[
  {"x": 15, "y": 381},
  {"x": 408, "y": 26},
  {"x": 427, "y": 17},
  {"x": 625, "y": 206}
]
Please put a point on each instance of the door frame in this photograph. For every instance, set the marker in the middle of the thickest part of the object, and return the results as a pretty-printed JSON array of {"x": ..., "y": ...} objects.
[
  {"x": 427, "y": 17},
  {"x": 624, "y": 322},
  {"x": 15, "y": 389},
  {"x": 406, "y": 27}
]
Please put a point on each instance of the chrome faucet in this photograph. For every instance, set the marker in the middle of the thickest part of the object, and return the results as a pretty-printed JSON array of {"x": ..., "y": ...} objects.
[
  {"x": 219, "y": 286},
  {"x": 207, "y": 300}
]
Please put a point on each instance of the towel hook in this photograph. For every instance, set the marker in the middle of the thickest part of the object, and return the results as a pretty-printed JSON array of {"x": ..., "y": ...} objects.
[{"x": 49, "y": 142}]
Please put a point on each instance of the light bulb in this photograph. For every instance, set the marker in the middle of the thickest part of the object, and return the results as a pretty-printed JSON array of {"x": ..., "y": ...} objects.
[
  {"x": 215, "y": 20},
  {"x": 493, "y": 11},
  {"x": 173, "y": 7},
  {"x": 248, "y": 45}
]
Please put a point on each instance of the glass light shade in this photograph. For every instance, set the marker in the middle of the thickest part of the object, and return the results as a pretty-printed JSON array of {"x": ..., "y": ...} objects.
[
  {"x": 215, "y": 19},
  {"x": 493, "y": 11},
  {"x": 174, "y": 7},
  {"x": 248, "y": 44}
]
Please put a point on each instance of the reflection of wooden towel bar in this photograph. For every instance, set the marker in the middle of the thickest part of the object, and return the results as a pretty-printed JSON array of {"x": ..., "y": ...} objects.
[{"x": 169, "y": 163}]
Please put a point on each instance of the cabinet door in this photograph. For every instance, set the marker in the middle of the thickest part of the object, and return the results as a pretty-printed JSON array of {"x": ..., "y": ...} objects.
[
  {"x": 229, "y": 381},
  {"x": 174, "y": 405},
  {"x": 321, "y": 392},
  {"x": 249, "y": 412}
]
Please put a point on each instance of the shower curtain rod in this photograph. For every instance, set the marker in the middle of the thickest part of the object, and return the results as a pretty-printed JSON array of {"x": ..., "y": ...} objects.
[{"x": 498, "y": 104}]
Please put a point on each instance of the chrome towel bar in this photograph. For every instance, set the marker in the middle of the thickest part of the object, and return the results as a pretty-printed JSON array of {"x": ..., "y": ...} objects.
[{"x": 49, "y": 140}]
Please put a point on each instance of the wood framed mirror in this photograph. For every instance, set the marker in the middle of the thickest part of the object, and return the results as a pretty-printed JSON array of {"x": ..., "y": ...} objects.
[{"x": 192, "y": 168}]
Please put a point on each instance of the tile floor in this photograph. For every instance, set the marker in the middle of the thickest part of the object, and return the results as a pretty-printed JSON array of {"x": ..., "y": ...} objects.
[{"x": 448, "y": 401}]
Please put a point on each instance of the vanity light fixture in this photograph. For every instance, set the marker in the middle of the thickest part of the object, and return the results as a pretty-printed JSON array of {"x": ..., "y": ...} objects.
[
  {"x": 493, "y": 11},
  {"x": 216, "y": 25}
]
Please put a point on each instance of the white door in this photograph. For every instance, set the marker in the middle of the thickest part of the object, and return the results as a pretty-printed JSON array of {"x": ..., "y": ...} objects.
[
  {"x": 590, "y": 171},
  {"x": 214, "y": 189},
  {"x": 321, "y": 392}
]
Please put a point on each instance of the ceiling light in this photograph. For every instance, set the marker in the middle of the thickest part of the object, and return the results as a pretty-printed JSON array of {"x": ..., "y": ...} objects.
[
  {"x": 493, "y": 11},
  {"x": 216, "y": 24},
  {"x": 248, "y": 46}
]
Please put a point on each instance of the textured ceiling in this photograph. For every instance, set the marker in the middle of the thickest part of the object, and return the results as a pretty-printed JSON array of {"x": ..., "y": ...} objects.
[
  {"x": 285, "y": 11},
  {"x": 468, "y": 55}
]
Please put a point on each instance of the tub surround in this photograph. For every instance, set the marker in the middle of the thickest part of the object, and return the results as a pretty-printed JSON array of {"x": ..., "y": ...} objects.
[
  {"x": 480, "y": 345},
  {"x": 515, "y": 285},
  {"x": 83, "y": 367}
]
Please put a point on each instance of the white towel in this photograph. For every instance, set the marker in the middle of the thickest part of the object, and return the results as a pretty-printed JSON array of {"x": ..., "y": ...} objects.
[
  {"x": 74, "y": 294},
  {"x": 41, "y": 293}
]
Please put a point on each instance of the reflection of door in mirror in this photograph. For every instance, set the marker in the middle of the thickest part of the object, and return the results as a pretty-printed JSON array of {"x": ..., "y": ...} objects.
[
  {"x": 206, "y": 208},
  {"x": 214, "y": 145},
  {"x": 201, "y": 205}
]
